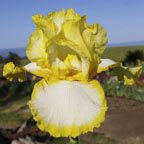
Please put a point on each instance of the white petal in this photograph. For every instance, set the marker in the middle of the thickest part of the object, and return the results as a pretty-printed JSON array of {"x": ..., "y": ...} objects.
[
  {"x": 67, "y": 104},
  {"x": 106, "y": 64},
  {"x": 37, "y": 70}
]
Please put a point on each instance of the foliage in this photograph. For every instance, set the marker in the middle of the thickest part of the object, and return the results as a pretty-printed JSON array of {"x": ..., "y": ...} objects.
[
  {"x": 142, "y": 69},
  {"x": 1, "y": 59},
  {"x": 15, "y": 112},
  {"x": 118, "y": 53},
  {"x": 11, "y": 91},
  {"x": 13, "y": 57},
  {"x": 12, "y": 116},
  {"x": 116, "y": 88},
  {"x": 13, "y": 101},
  {"x": 134, "y": 57},
  {"x": 10, "y": 57}
]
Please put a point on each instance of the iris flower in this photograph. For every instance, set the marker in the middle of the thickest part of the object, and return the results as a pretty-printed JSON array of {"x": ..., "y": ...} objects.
[{"x": 65, "y": 51}]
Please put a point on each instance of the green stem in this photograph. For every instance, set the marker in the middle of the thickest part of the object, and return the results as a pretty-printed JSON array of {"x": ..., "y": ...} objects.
[{"x": 74, "y": 140}]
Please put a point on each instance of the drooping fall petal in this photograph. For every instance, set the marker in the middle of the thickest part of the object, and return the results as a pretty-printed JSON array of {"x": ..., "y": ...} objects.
[{"x": 68, "y": 108}]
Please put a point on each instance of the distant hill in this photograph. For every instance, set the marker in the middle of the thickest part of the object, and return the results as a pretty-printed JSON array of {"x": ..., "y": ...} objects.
[
  {"x": 118, "y": 53},
  {"x": 20, "y": 51},
  {"x": 133, "y": 43}
]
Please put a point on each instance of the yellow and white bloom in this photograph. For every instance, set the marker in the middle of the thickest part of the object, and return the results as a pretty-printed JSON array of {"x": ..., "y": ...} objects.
[
  {"x": 68, "y": 108},
  {"x": 65, "y": 52},
  {"x": 10, "y": 71}
]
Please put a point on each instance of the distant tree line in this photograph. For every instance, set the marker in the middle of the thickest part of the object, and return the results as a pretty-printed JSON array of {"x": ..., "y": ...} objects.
[
  {"x": 134, "y": 57},
  {"x": 15, "y": 58},
  {"x": 131, "y": 58}
]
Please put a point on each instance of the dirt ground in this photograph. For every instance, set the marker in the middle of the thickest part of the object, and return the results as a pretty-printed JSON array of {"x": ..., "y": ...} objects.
[
  {"x": 124, "y": 119},
  {"x": 124, "y": 123}
]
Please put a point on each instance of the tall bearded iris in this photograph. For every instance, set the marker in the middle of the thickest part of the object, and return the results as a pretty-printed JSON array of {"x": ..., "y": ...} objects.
[{"x": 65, "y": 52}]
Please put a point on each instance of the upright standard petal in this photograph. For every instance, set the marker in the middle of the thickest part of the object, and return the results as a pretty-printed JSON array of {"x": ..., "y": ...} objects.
[
  {"x": 56, "y": 50},
  {"x": 60, "y": 17},
  {"x": 95, "y": 38},
  {"x": 73, "y": 37},
  {"x": 47, "y": 25},
  {"x": 65, "y": 108},
  {"x": 36, "y": 49}
]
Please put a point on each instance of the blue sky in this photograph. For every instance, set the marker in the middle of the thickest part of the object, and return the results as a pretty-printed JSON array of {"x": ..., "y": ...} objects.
[{"x": 122, "y": 19}]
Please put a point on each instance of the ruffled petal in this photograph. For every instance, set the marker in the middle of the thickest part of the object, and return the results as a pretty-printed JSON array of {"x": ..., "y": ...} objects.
[
  {"x": 73, "y": 37},
  {"x": 36, "y": 49},
  {"x": 65, "y": 108},
  {"x": 46, "y": 24},
  {"x": 10, "y": 71},
  {"x": 95, "y": 38},
  {"x": 60, "y": 17}
]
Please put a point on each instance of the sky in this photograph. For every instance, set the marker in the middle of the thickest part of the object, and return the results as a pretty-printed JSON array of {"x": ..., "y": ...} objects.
[{"x": 122, "y": 19}]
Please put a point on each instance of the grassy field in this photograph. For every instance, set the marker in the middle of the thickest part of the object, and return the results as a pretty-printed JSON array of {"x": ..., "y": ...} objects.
[
  {"x": 118, "y": 53},
  {"x": 14, "y": 113}
]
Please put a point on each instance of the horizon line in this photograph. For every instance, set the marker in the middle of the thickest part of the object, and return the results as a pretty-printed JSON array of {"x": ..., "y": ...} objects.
[{"x": 128, "y": 43}]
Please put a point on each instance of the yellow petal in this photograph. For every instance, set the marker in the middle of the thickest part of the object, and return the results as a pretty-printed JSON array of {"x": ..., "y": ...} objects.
[
  {"x": 72, "y": 62},
  {"x": 59, "y": 64},
  {"x": 77, "y": 68},
  {"x": 10, "y": 71},
  {"x": 46, "y": 24},
  {"x": 65, "y": 108},
  {"x": 59, "y": 69},
  {"x": 36, "y": 49},
  {"x": 85, "y": 67},
  {"x": 20, "y": 74},
  {"x": 126, "y": 74},
  {"x": 136, "y": 70},
  {"x": 73, "y": 37},
  {"x": 128, "y": 81},
  {"x": 94, "y": 66},
  {"x": 60, "y": 17},
  {"x": 55, "y": 50},
  {"x": 95, "y": 38}
]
